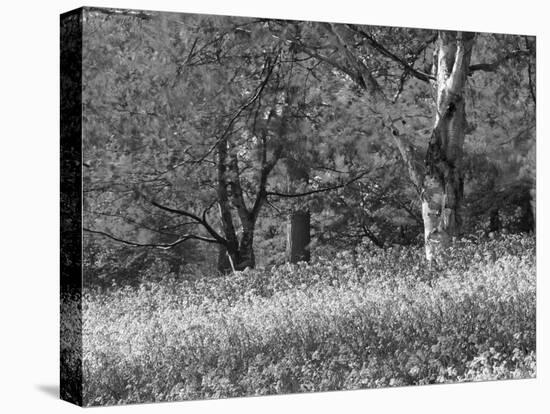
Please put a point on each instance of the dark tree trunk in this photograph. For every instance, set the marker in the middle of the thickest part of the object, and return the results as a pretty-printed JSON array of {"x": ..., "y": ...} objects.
[
  {"x": 298, "y": 226},
  {"x": 239, "y": 259},
  {"x": 494, "y": 221},
  {"x": 527, "y": 219},
  {"x": 533, "y": 205},
  {"x": 245, "y": 257},
  {"x": 298, "y": 236}
]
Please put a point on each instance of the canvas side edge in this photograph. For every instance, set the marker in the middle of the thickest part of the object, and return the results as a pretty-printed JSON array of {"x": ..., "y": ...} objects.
[{"x": 71, "y": 386}]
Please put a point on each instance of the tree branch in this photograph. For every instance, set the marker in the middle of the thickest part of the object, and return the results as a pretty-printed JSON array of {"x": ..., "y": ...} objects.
[
  {"x": 406, "y": 66},
  {"x": 320, "y": 190},
  {"x": 269, "y": 66},
  {"x": 408, "y": 154},
  {"x": 459, "y": 71},
  {"x": 135, "y": 223},
  {"x": 362, "y": 76},
  {"x": 371, "y": 236},
  {"x": 266, "y": 170},
  {"x": 237, "y": 196},
  {"x": 493, "y": 66},
  {"x": 328, "y": 60},
  {"x": 165, "y": 246},
  {"x": 192, "y": 216}
]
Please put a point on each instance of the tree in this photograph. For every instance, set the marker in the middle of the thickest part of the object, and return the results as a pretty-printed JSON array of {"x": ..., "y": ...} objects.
[
  {"x": 202, "y": 129},
  {"x": 201, "y": 116},
  {"x": 298, "y": 226},
  {"x": 441, "y": 188},
  {"x": 358, "y": 53}
]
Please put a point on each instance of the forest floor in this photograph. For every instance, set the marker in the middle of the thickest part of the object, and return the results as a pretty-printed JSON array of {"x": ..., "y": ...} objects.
[{"x": 363, "y": 319}]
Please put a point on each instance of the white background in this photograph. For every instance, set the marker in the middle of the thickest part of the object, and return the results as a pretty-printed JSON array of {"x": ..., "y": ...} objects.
[{"x": 29, "y": 212}]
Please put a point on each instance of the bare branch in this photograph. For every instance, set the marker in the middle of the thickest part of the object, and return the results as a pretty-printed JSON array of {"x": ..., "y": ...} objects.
[
  {"x": 371, "y": 236},
  {"x": 363, "y": 75},
  {"x": 162, "y": 246},
  {"x": 319, "y": 190},
  {"x": 207, "y": 209},
  {"x": 194, "y": 217},
  {"x": 408, "y": 154},
  {"x": 266, "y": 170},
  {"x": 328, "y": 60},
  {"x": 269, "y": 68},
  {"x": 493, "y": 66},
  {"x": 384, "y": 51},
  {"x": 135, "y": 223}
]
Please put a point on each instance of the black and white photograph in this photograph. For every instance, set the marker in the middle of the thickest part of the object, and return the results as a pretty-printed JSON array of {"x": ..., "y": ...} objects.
[
  {"x": 275, "y": 206},
  {"x": 267, "y": 205}
]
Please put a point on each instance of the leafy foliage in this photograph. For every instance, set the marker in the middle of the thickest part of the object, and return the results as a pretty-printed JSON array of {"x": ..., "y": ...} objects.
[{"x": 163, "y": 92}]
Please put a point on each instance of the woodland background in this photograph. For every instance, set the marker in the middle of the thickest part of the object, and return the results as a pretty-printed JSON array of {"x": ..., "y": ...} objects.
[{"x": 259, "y": 138}]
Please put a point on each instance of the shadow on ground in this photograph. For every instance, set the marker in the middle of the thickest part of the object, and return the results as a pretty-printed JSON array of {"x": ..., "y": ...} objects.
[{"x": 49, "y": 389}]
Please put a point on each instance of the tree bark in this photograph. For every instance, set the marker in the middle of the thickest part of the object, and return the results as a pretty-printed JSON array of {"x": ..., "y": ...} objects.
[
  {"x": 240, "y": 251},
  {"x": 533, "y": 205},
  {"x": 224, "y": 263},
  {"x": 228, "y": 251},
  {"x": 442, "y": 188},
  {"x": 237, "y": 259},
  {"x": 440, "y": 181},
  {"x": 298, "y": 236},
  {"x": 246, "y": 256},
  {"x": 298, "y": 226}
]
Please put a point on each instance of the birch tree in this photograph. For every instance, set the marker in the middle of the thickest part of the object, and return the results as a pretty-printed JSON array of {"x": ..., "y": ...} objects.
[{"x": 383, "y": 74}]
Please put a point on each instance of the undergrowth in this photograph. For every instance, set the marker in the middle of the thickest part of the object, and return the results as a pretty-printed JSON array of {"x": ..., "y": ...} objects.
[{"x": 364, "y": 319}]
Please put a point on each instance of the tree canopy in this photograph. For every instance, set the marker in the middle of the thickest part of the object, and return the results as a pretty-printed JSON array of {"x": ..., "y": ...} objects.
[{"x": 204, "y": 133}]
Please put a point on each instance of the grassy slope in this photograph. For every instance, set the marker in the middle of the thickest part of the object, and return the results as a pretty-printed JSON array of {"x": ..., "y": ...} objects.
[{"x": 361, "y": 320}]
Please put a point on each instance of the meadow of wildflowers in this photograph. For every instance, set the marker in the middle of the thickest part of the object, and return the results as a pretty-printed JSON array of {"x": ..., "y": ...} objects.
[{"x": 366, "y": 318}]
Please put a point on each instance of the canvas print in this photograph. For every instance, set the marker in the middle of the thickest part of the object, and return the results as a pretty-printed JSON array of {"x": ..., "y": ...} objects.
[{"x": 253, "y": 206}]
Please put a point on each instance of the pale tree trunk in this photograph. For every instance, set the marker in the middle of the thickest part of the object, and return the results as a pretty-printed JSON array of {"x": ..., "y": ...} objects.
[
  {"x": 442, "y": 187},
  {"x": 227, "y": 253},
  {"x": 225, "y": 265},
  {"x": 439, "y": 181},
  {"x": 238, "y": 253},
  {"x": 298, "y": 226},
  {"x": 247, "y": 215}
]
